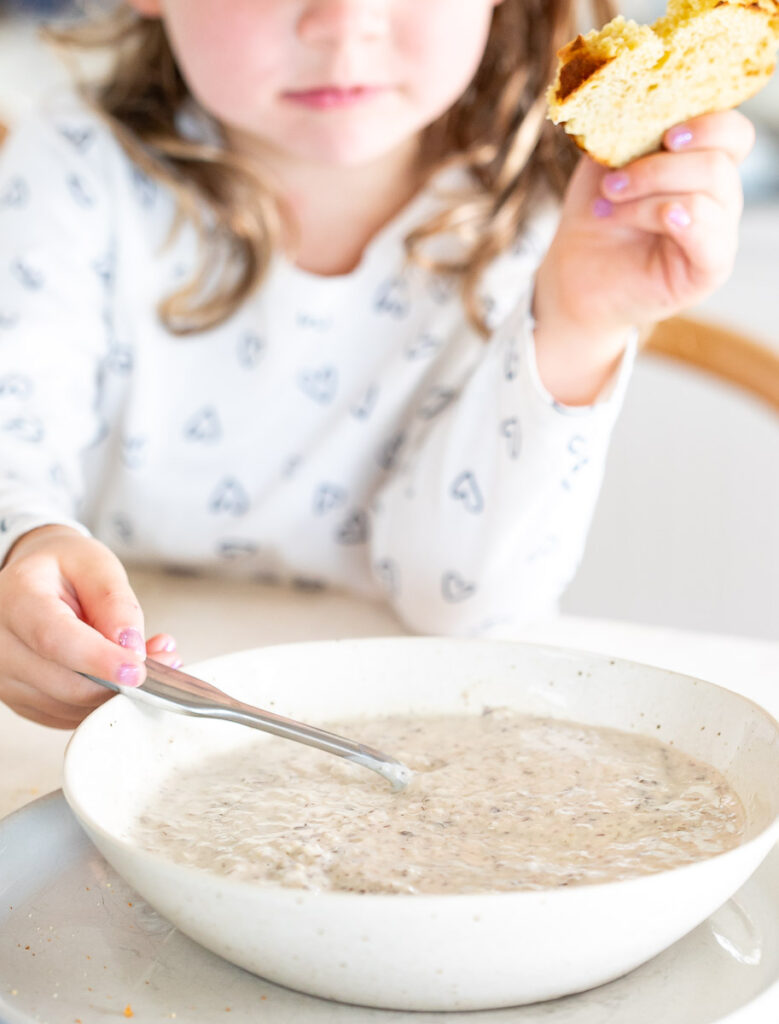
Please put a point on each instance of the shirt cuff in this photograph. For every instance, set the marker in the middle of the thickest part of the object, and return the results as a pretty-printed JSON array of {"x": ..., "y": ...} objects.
[
  {"x": 14, "y": 526},
  {"x": 611, "y": 396}
]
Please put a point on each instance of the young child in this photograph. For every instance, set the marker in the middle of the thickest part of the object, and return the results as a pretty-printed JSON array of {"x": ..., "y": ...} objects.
[{"x": 299, "y": 302}]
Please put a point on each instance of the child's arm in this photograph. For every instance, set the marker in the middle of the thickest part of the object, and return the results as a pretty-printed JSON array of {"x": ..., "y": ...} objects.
[
  {"x": 636, "y": 246},
  {"x": 485, "y": 523},
  {"x": 59, "y": 589}
]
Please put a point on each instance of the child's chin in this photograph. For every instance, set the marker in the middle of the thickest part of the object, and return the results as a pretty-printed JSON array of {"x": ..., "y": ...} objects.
[{"x": 350, "y": 151}]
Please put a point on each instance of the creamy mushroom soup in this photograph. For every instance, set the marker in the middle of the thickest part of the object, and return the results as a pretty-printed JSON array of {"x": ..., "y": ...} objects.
[{"x": 500, "y": 801}]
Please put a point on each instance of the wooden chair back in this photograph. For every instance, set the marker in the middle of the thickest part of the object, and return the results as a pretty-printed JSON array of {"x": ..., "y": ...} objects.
[{"x": 720, "y": 351}]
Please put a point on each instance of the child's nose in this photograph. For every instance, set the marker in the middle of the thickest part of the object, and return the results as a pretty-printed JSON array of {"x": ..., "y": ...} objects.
[{"x": 330, "y": 22}]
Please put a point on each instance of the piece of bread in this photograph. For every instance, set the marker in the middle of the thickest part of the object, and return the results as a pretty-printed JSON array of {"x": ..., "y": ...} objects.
[{"x": 619, "y": 89}]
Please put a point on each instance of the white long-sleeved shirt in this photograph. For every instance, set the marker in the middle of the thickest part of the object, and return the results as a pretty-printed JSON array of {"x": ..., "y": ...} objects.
[{"x": 350, "y": 431}]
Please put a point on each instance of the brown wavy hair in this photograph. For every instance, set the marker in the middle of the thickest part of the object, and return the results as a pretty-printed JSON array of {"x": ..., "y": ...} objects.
[{"x": 497, "y": 130}]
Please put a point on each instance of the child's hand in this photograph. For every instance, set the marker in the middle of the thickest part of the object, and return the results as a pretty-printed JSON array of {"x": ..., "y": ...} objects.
[
  {"x": 66, "y": 607},
  {"x": 638, "y": 245}
]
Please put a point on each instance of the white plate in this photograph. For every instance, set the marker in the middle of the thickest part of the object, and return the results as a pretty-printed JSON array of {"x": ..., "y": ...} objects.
[{"x": 95, "y": 947}]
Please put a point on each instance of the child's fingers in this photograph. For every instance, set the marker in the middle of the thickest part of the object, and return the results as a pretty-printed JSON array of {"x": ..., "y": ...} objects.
[
  {"x": 32, "y": 712},
  {"x": 42, "y": 707},
  {"x": 106, "y": 598},
  {"x": 53, "y": 682},
  {"x": 702, "y": 229},
  {"x": 160, "y": 643},
  {"x": 728, "y": 130},
  {"x": 48, "y": 627},
  {"x": 162, "y": 648},
  {"x": 172, "y": 660},
  {"x": 709, "y": 171}
]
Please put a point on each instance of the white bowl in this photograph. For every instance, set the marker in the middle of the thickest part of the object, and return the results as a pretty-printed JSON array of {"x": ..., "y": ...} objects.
[{"x": 429, "y": 952}]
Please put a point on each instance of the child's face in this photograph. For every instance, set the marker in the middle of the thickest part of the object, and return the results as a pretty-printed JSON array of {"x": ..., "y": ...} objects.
[{"x": 334, "y": 81}]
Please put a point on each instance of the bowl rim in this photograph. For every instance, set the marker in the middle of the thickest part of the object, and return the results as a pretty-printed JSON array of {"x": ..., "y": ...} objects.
[{"x": 300, "y": 895}]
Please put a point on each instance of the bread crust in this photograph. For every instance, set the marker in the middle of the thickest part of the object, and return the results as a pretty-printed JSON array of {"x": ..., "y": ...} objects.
[
  {"x": 577, "y": 65},
  {"x": 631, "y": 55}
]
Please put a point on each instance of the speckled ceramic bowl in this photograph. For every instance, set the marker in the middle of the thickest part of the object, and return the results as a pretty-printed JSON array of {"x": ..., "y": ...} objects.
[{"x": 429, "y": 952}]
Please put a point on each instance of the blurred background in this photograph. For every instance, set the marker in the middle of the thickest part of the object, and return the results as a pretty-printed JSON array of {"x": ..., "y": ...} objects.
[{"x": 686, "y": 532}]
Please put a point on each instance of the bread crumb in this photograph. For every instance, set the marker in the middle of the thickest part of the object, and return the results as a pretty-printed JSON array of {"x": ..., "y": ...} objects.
[{"x": 128, "y": 1011}]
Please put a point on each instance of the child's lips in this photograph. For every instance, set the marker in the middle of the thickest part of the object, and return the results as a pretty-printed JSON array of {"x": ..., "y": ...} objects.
[{"x": 330, "y": 97}]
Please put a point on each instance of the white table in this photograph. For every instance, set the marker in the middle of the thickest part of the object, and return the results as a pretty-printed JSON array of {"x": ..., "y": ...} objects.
[{"x": 211, "y": 617}]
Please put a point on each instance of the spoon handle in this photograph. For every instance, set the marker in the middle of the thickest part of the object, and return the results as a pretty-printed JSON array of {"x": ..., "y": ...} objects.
[{"x": 178, "y": 691}]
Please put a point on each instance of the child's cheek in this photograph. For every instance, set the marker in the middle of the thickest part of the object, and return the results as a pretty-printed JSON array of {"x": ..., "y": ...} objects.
[
  {"x": 230, "y": 63},
  {"x": 439, "y": 74}
]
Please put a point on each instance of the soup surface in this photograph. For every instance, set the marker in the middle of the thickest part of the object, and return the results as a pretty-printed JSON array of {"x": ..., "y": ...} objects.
[{"x": 500, "y": 801}]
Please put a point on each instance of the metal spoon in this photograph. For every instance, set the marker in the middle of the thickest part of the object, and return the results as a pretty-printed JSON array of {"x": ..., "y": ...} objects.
[{"x": 174, "y": 690}]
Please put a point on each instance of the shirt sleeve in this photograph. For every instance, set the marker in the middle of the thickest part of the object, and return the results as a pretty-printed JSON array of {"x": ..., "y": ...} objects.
[
  {"x": 484, "y": 524},
  {"x": 55, "y": 253}
]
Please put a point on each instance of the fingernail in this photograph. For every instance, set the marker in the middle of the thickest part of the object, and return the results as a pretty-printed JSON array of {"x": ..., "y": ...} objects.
[
  {"x": 169, "y": 645},
  {"x": 616, "y": 182},
  {"x": 602, "y": 208},
  {"x": 128, "y": 675},
  {"x": 679, "y": 217},
  {"x": 132, "y": 638},
  {"x": 176, "y": 663},
  {"x": 679, "y": 137}
]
